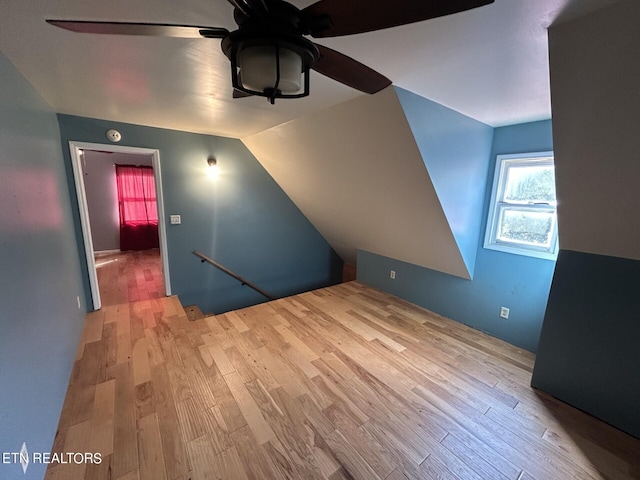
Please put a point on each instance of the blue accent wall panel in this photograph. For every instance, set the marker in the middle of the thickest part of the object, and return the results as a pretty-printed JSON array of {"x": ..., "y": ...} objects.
[
  {"x": 589, "y": 355},
  {"x": 500, "y": 279},
  {"x": 40, "y": 322},
  {"x": 242, "y": 219},
  {"x": 455, "y": 149}
]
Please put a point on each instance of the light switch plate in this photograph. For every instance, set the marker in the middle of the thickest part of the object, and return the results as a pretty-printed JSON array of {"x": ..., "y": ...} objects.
[{"x": 176, "y": 220}]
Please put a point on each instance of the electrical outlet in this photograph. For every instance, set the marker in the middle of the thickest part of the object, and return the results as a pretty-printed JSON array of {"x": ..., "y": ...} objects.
[
  {"x": 392, "y": 274},
  {"x": 504, "y": 312}
]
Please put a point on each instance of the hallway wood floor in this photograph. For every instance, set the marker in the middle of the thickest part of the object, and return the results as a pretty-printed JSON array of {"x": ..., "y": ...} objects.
[
  {"x": 127, "y": 277},
  {"x": 340, "y": 383}
]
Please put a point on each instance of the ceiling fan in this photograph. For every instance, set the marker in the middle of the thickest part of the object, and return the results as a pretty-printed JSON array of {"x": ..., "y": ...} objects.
[{"x": 269, "y": 53}]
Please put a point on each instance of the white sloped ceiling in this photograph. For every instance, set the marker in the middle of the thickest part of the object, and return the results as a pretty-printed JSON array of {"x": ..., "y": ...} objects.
[{"x": 355, "y": 171}]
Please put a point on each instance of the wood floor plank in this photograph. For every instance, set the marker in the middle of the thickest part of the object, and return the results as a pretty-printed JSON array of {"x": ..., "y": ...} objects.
[
  {"x": 215, "y": 426},
  {"x": 250, "y": 411},
  {"x": 252, "y": 456},
  {"x": 83, "y": 404},
  {"x": 125, "y": 445},
  {"x": 98, "y": 471},
  {"x": 378, "y": 456},
  {"x": 332, "y": 389},
  {"x": 291, "y": 434},
  {"x": 140, "y": 361},
  {"x": 123, "y": 348},
  {"x": 377, "y": 330},
  {"x": 240, "y": 365},
  {"x": 482, "y": 466},
  {"x": 189, "y": 419},
  {"x": 152, "y": 465},
  {"x": 102, "y": 425},
  {"x": 280, "y": 371},
  {"x": 85, "y": 371},
  {"x": 77, "y": 439},
  {"x": 236, "y": 321},
  {"x": 200, "y": 384},
  {"x": 174, "y": 366},
  {"x": 351, "y": 460},
  {"x": 92, "y": 331},
  {"x": 346, "y": 382},
  {"x": 133, "y": 475},
  {"x": 144, "y": 399},
  {"x": 324, "y": 457},
  {"x": 222, "y": 361},
  {"x": 209, "y": 465},
  {"x": 249, "y": 358},
  {"x": 231, "y": 413},
  {"x": 298, "y": 361},
  {"x": 173, "y": 446},
  {"x": 297, "y": 343}
]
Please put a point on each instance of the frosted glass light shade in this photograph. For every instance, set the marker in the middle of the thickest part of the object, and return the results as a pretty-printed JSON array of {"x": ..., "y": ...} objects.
[{"x": 258, "y": 69}]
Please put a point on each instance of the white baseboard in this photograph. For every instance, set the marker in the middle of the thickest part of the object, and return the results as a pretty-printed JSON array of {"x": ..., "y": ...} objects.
[{"x": 102, "y": 253}]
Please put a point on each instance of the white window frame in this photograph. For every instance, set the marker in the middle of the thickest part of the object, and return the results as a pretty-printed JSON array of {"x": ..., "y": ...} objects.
[{"x": 497, "y": 205}]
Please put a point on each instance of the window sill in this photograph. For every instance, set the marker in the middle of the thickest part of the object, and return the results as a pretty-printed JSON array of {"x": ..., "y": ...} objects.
[{"x": 522, "y": 251}]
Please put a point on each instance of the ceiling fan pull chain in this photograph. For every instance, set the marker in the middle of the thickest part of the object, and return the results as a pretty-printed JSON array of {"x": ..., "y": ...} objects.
[{"x": 274, "y": 91}]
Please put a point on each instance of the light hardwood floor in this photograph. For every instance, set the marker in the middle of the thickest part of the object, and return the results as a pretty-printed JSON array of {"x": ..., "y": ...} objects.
[
  {"x": 344, "y": 382},
  {"x": 127, "y": 277}
]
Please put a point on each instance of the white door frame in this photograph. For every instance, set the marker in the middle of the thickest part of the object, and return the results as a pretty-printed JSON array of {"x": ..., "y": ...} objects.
[{"x": 76, "y": 149}]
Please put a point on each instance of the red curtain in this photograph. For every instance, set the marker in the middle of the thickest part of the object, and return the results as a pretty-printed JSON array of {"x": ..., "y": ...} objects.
[{"x": 138, "y": 208}]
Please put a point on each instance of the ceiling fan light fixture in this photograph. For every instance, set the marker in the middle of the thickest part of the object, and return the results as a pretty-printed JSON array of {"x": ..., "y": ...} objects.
[
  {"x": 264, "y": 67},
  {"x": 268, "y": 64}
]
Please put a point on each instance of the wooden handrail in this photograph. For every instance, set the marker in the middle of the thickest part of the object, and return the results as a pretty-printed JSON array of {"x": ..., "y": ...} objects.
[{"x": 204, "y": 258}]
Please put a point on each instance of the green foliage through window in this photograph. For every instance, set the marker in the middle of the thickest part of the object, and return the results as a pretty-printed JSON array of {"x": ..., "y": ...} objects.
[{"x": 531, "y": 184}]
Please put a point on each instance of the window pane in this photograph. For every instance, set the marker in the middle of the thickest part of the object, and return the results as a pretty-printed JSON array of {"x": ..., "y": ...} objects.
[
  {"x": 530, "y": 184},
  {"x": 526, "y": 227}
]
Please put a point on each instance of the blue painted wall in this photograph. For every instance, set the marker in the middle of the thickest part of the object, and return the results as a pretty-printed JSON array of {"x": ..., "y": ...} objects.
[
  {"x": 589, "y": 355},
  {"x": 242, "y": 219},
  {"x": 40, "y": 322},
  {"x": 455, "y": 149},
  {"x": 500, "y": 279}
]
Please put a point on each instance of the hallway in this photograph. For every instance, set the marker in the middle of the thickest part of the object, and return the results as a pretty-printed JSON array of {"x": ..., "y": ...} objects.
[{"x": 133, "y": 276}]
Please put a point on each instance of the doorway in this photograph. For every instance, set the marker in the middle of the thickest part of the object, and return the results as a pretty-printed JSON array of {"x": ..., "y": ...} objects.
[{"x": 79, "y": 153}]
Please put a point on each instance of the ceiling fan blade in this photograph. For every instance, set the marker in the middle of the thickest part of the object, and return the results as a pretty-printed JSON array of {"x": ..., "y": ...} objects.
[
  {"x": 151, "y": 29},
  {"x": 240, "y": 94},
  {"x": 248, "y": 7},
  {"x": 240, "y": 6},
  {"x": 334, "y": 18},
  {"x": 349, "y": 71},
  {"x": 258, "y": 5}
]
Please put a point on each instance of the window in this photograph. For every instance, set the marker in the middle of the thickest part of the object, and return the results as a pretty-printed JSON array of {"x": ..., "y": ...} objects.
[
  {"x": 138, "y": 208},
  {"x": 522, "y": 213},
  {"x": 136, "y": 195}
]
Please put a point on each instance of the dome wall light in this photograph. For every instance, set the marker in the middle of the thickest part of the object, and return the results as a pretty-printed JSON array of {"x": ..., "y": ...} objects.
[{"x": 212, "y": 168}]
